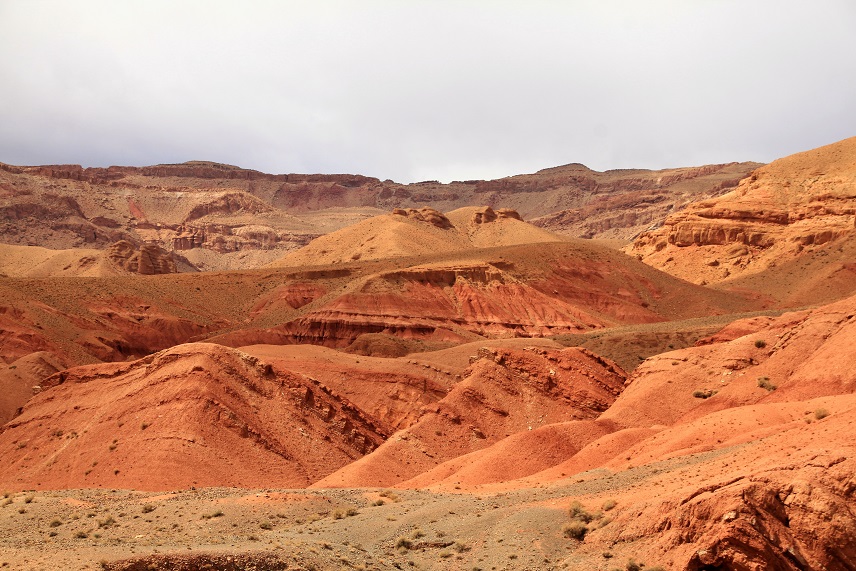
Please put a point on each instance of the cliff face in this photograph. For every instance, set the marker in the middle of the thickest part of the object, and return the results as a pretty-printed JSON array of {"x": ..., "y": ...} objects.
[
  {"x": 227, "y": 211},
  {"x": 626, "y": 203},
  {"x": 149, "y": 259},
  {"x": 794, "y": 207}
]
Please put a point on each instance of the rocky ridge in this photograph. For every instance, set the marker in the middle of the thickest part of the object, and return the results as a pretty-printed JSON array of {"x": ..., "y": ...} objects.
[
  {"x": 224, "y": 217},
  {"x": 792, "y": 208}
]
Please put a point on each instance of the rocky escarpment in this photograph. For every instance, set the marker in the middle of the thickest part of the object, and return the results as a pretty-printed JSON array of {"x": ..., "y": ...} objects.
[
  {"x": 429, "y": 215},
  {"x": 784, "y": 502},
  {"x": 223, "y": 210},
  {"x": 68, "y": 207},
  {"x": 634, "y": 201},
  {"x": 223, "y": 222},
  {"x": 229, "y": 203},
  {"x": 53, "y": 220},
  {"x": 772, "y": 521},
  {"x": 148, "y": 259},
  {"x": 488, "y": 214},
  {"x": 439, "y": 304},
  {"x": 790, "y": 207},
  {"x": 225, "y": 238}
]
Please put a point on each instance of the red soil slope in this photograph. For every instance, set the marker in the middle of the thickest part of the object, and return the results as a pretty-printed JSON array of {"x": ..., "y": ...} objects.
[
  {"x": 752, "y": 393},
  {"x": 392, "y": 391},
  {"x": 197, "y": 414},
  {"x": 526, "y": 290},
  {"x": 20, "y": 380},
  {"x": 504, "y": 392}
]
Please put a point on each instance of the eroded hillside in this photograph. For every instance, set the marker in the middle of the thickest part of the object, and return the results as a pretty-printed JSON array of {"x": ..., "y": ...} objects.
[
  {"x": 212, "y": 216},
  {"x": 429, "y": 382}
]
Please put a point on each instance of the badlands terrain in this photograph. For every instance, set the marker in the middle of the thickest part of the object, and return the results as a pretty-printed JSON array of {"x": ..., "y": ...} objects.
[{"x": 207, "y": 367}]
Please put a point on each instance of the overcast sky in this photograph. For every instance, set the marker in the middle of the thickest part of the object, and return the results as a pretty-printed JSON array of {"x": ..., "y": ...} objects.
[{"x": 414, "y": 90}]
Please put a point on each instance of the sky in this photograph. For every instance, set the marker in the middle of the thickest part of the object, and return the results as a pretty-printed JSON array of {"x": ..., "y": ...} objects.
[{"x": 415, "y": 90}]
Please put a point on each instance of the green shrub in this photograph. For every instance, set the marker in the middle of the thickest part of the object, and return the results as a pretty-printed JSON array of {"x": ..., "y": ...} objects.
[
  {"x": 760, "y": 343},
  {"x": 575, "y": 530},
  {"x": 579, "y": 513},
  {"x": 764, "y": 383}
]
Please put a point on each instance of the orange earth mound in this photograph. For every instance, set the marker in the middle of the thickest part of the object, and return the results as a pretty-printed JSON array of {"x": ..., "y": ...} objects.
[
  {"x": 504, "y": 392},
  {"x": 204, "y": 415},
  {"x": 193, "y": 415}
]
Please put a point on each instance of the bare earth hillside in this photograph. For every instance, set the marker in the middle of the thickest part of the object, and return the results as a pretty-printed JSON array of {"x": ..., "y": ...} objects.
[
  {"x": 429, "y": 376},
  {"x": 757, "y": 474},
  {"x": 792, "y": 221}
]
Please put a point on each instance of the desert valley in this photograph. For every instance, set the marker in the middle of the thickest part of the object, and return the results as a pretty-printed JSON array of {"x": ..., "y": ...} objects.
[{"x": 208, "y": 367}]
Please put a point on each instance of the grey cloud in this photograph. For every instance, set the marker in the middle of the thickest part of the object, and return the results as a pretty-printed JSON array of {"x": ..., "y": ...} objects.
[{"x": 418, "y": 90}]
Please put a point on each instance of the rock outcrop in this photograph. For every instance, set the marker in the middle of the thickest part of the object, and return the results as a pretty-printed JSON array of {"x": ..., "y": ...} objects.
[
  {"x": 429, "y": 215},
  {"x": 487, "y": 214},
  {"x": 148, "y": 259},
  {"x": 221, "y": 208},
  {"x": 786, "y": 210}
]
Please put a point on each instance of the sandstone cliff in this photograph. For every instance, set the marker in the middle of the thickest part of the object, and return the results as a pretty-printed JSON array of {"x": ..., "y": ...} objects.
[
  {"x": 226, "y": 217},
  {"x": 795, "y": 207}
]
